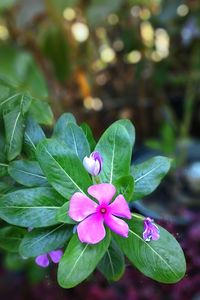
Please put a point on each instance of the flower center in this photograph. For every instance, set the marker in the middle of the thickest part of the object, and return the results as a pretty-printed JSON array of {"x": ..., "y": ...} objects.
[{"x": 103, "y": 210}]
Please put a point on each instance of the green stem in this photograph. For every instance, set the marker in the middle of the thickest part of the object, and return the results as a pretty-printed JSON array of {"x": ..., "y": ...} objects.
[{"x": 96, "y": 179}]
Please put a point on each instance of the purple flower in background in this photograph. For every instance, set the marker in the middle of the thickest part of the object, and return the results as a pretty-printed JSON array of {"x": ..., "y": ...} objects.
[
  {"x": 151, "y": 231},
  {"x": 190, "y": 31},
  {"x": 92, "y": 215},
  {"x": 43, "y": 260},
  {"x": 93, "y": 163}
]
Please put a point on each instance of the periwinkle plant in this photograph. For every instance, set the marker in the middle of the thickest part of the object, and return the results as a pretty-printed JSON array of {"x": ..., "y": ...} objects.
[{"x": 75, "y": 197}]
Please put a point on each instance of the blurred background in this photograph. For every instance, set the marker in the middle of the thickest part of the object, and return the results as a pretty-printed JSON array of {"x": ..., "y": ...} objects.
[{"x": 104, "y": 60}]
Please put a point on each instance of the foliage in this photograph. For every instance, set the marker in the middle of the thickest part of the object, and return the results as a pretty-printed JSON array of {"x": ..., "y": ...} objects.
[
  {"x": 130, "y": 49},
  {"x": 46, "y": 172}
]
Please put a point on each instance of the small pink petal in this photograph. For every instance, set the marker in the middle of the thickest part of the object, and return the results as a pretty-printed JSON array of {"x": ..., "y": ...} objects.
[
  {"x": 42, "y": 260},
  {"x": 103, "y": 192},
  {"x": 91, "y": 230},
  {"x": 56, "y": 255},
  {"x": 120, "y": 208},
  {"x": 117, "y": 225},
  {"x": 81, "y": 206}
]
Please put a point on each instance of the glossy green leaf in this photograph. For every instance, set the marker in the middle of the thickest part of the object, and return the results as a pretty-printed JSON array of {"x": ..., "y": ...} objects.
[
  {"x": 112, "y": 264},
  {"x": 125, "y": 186},
  {"x": 14, "y": 124},
  {"x": 14, "y": 130},
  {"x": 162, "y": 260},
  {"x": 76, "y": 141},
  {"x": 41, "y": 112},
  {"x": 89, "y": 135},
  {"x": 8, "y": 95},
  {"x": 62, "y": 214},
  {"x": 115, "y": 148},
  {"x": 13, "y": 99},
  {"x": 40, "y": 241},
  {"x": 129, "y": 128},
  {"x": 27, "y": 173},
  {"x": 80, "y": 260},
  {"x": 148, "y": 175},
  {"x": 6, "y": 185},
  {"x": 32, "y": 136},
  {"x": 2, "y": 147},
  {"x": 61, "y": 124},
  {"x": 3, "y": 169},
  {"x": 11, "y": 237},
  {"x": 34, "y": 207},
  {"x": 62, "y": 168}
]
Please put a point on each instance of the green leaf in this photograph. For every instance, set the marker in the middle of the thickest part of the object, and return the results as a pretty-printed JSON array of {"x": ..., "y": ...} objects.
[
  {"x": 40, "y": 241},
  {"x": 112, "y": 264},
  {"x": 27, "y": 173},
  {"x": 2, "y": 147},
  {"x": 6, "y": 185},
  {"x": 125, "y": 186},
  {"x": 15, "y": 99},
  {"x": 162, "y": 260},
  {"x": 72, "y": 135},
  {"x": 14, "y": 262},
  {"x": 3, "y": 169},
  {"x": 62, "y": 214},
  {"x": 62, "y": 168},
  {"x": 32, "y": 136},
  {"x": 76, "y": 141},
  {"x": 129, "y": 128},
  {"x": 41, "y": 112},
  {"x": 19, "y": 68},
  {"x": 149, "y": 174},
  {"x": 80, "y": 260},
  {"x": 115, "y": 148},
  {"x": 56, "y": 47},
  {"x": 89, "y": 135},
  {"x": 61, "y": 124},
  {"x": 36, "y": 207},
  {"x": 14, "y": 130},
  {"x": 10, "y": 238},
  {"x": 7, "y": 94}
]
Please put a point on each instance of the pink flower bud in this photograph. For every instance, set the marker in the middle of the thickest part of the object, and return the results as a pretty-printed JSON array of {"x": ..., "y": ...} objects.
[{"x": 93, "y": 163}]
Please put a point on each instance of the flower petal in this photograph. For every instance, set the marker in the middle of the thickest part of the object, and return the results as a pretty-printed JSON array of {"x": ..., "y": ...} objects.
[
  {"x": 56, "y": 255},
  {"x": 151, "y": 231},
  {"x": 90, "y": 165},
  {"x": 98, "y": 159},
  {"x": 103, "y": 192},
  {"x": 117, "y": 225},
  {"x": 120, "y": 208},
  {"x": 81, "y": 206},
  {"x": 42, "y": 260},
  {"x": 97, "y": 168},
  {"x": 91, "y": 230}
]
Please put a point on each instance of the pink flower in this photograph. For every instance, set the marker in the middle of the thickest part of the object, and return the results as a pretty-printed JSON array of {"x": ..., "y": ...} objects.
[
  {"x": 43, "y": 259},
  {"x": 93, "y": 163},
  {"x": 92, "y": 215}
]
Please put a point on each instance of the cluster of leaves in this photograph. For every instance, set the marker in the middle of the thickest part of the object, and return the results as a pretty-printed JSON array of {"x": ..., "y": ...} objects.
[{"x": 39, "y": 176}]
